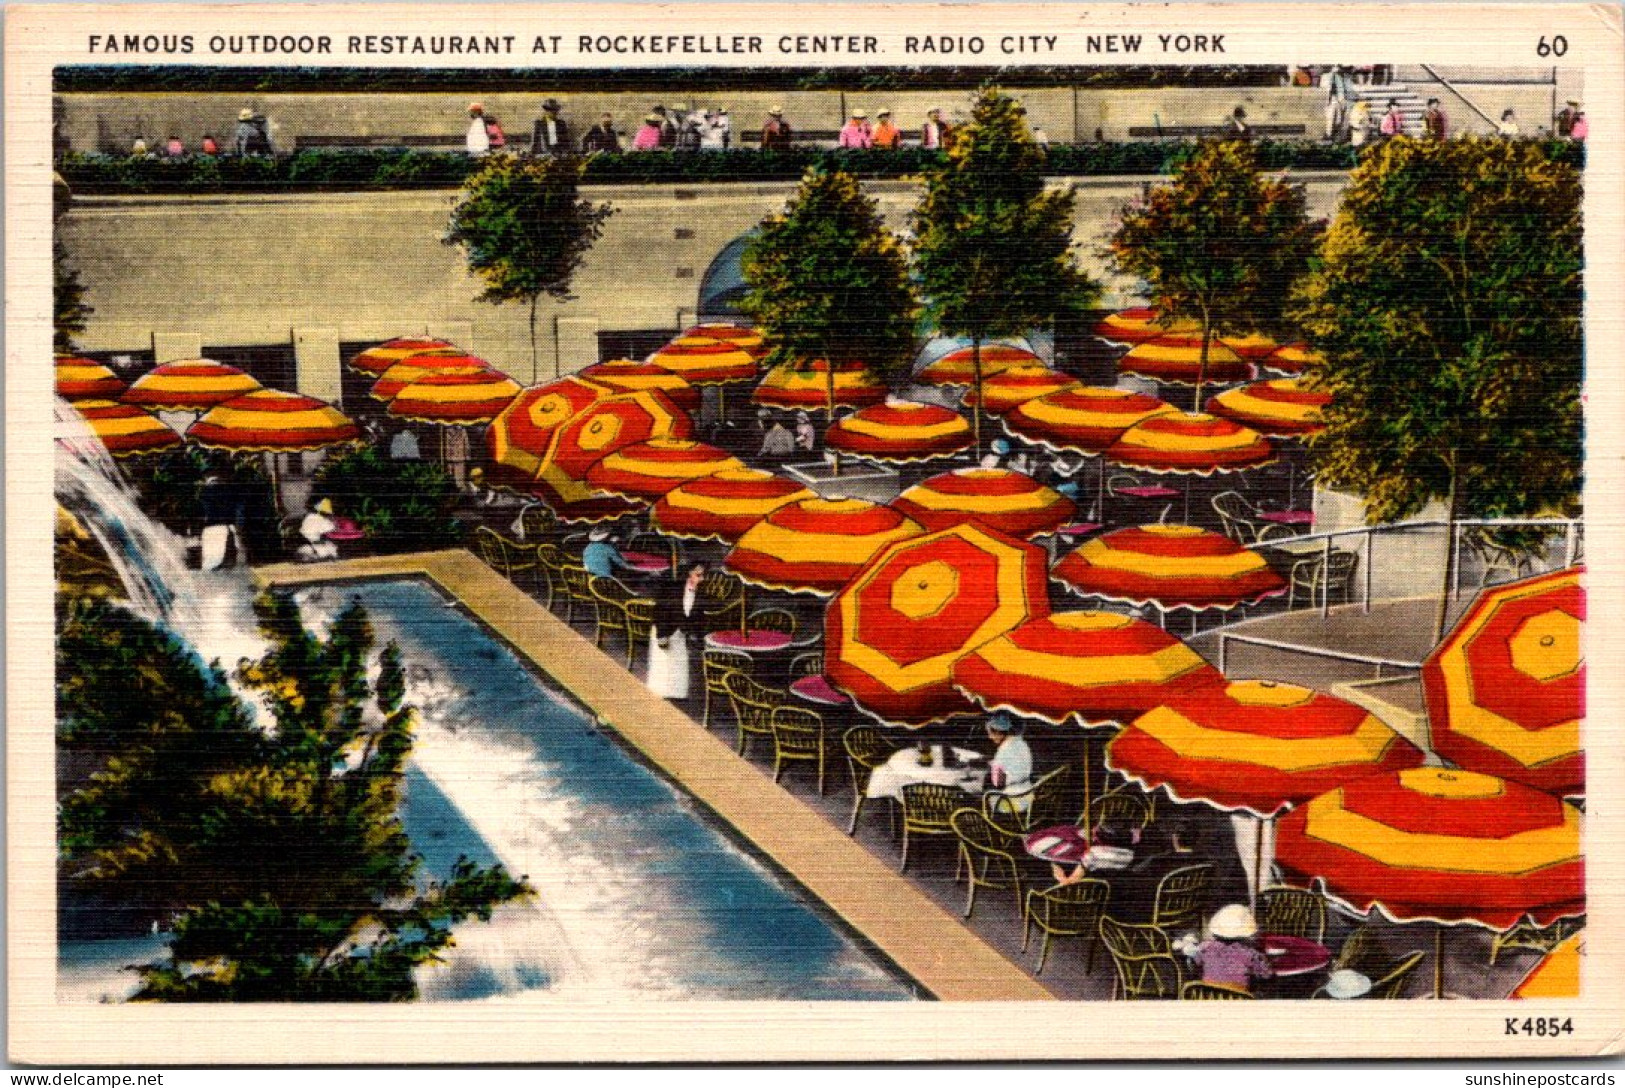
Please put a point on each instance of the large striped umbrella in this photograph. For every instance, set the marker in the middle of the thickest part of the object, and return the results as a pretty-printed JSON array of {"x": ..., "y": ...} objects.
[
  {"x": 631, "y": 376},
  {"x": 81, "y": 379},
  {"x": 1506, "y": 688},
  {"x": 995, "y": 498},
  {"x": 1092, "y": 667},
  {"x": 1440, "y": 845},
  {"x": 740, "y": 336},
  {"x": 1140, "y": 323},
  {"x": 1018, "y": 385},
  {"x": 1178, "y": 360},
  {"x": 402, "y": 374},
  {"x": 126, "y": 429},
  {"x": 594, "y": 433},
  {"x": 725, "y": 505},
  {"x": 1083, "y": 420},
  {"x": 376, "y": 360},
  {"x": 958, "y": 367},
  {"x": 1283, "y": 408},
  {"x": 701, "y": 360},
  {"x": 893, "y": 634},
  {"x": 189, "y": 385},
  {"x": 272, "y": 421},
  {"x": 1190, "y": 442},
  {"x": 1291, "y": 359},
  {"x": 1254, "y": 347},
  {"x": 1169, "y": 566},
  {"x": 1557, "y": 974},
  {"x": 455, "y": 398},
  {"x": 901, "y": 431},
  {"x": 648, "y": 470},
  {"x": 816, "y": 545},
  {"x": 518, "y": 439},
  {"x": 789, "y": 387}
]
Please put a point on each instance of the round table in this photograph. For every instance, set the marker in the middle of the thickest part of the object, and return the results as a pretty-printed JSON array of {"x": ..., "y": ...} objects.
[
  {"x": 817, "y": 689},
  {"x": 1069, "y": 845},
  {"x": 1288, "y": 517},
  {"x": 748, "y": 641},
  {"x": 647, "y": 562},
  {"x": 1291, "y": 956},
  {"x": 1148, "y": 491},
  {"x": 905, "y": 769}
]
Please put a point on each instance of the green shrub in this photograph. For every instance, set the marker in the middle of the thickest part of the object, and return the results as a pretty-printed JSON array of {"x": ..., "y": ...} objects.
[{"x": 404, "y": 506}]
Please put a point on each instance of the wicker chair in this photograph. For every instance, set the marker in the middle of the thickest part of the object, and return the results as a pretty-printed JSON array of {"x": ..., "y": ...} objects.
[
  {"x": 798, "y": 736},
  {"x": 1207, "y": 991},
  {"x": 772, "y": 619},
  {"x": 1292, "y": 912},
  {"x": 1319, "y": 576},
  {"x": 1122, "y": 807},
  {"x": 803, "y": 665},
  {"x": 1066, "y": 910},
  {"x": 534, "y": 522},
  {"x": 721, "y": 595},
  {"x": 1242, "y": 522},
  {"x": 928, "y": 809},
  {"x": 654, "y": 544},
  {"x": 866, "y": 748},
  {"x": 753, "y": 706},
  {"x": 550, "y": 565},
  {"x": 1147, "y": 968},
  {"x": 1182, "y": 897},
  {"x": 613, "y": 603},
  {"x": 1043, "y": 804},
  {"x": 981, "y": 841},
  {"x": 577, "y": 588},
  {"x": 508, "y": 558},
  {"x": 1528, "y": 937},
  {"x": 1362, "y": 952},
  {"x": 714, "y": 666},
  {"x": 1391, "y": 986}
]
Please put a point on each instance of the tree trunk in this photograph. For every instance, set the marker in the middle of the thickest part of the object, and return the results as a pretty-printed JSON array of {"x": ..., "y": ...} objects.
[
  {"x": 976, "y": 408},
  {"x": 534, "y": 376},
  {"x": 1450, "y": 553},
  {"x": 1201, "y": 363}
]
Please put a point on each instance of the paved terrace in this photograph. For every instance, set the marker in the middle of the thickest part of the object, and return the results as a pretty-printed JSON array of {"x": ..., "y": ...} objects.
[{"x": 928, "y": 943}]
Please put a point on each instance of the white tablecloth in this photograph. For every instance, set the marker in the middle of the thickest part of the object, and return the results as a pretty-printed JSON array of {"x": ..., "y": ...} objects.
[{"x": 904, "y": 769}]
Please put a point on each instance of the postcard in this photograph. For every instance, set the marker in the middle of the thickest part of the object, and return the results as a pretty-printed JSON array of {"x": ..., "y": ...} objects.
[{"x": 639, "y": 533}]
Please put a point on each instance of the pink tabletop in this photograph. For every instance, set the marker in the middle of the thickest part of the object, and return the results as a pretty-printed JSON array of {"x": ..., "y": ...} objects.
[
  {"x": 1078, "y": 528},
  {"x": 1288, "y": 517},
  {"x": 1065, "y": 844},
  {"x": 1294, "y": 955},
  {"x": 748, "y": 641},
  {"x": 1149, "y": 491},
  {"x": 346, "y": 531},
  {"x": 647, "y": 562},
  {"x": 816, "y": 689}
]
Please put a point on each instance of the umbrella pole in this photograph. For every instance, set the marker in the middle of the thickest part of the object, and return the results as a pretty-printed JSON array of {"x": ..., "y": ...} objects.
[{"x": 1258, "y": 859}]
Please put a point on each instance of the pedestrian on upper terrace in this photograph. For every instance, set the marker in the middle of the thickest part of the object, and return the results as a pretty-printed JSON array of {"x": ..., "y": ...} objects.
[
  {"x": 551, "y": 135},
  {"x": 476, "y": 141},
  {"x": 138, "y": 148},
  {"x": 776, "y": 132},
  {"x": 856, "y": 133},
  {"x": 1359, "y": 123},
  {"x": 934, "y": 133},
  {"x": 1238, "y": 127},
  {"x": 1434, "y": 121},
  {"x": 1508, "y": 125},
  {"x": 723, "y": 126},
  {"x": 648, "y": 137},
  {"x": 252, "y": 138},
  {"x": 1581, "y": 129},
  {"x": 174, "y": 148},
  {"x": 210, "y": 146},
  {"x": 689, "y": 128},
  {"x": 886, "y": 136},
  {"x": 713, "y": 132},
  {"x": 668, "y": 127},
  {"x": 1563, "y": 123},
  {"x": 1393, "y": 122},
  {"x": 494, "y": 133},
  {"x": 1339, "y": 93},
  {"x": 601, "y": 138}
]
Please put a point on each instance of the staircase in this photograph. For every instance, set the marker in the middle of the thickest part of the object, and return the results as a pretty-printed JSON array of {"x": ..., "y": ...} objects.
[{"x": 1378, "y": 95}]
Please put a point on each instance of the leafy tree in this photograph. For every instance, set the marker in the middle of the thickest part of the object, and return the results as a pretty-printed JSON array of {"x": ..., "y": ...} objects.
[
  {"x": 72, "y": 313},
  {"x": 992, "y": 245},
  {"x": 1447, "y": 302},
  {"x": 280, "y": 850},
  {"x": 828, "y": 281},
  {"x": 525, "y": 229},
  {"x": 404, "y": 506},
  {"x": 1221, "y": 244}
]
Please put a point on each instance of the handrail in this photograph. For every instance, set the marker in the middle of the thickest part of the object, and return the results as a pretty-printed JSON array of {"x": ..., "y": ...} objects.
[
  {"x": 1428, "y": 68},
  {"x": 1314, "y": 651}
]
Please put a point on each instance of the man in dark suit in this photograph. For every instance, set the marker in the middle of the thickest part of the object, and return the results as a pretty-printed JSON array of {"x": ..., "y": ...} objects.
[{"x": 551, "y": 136}]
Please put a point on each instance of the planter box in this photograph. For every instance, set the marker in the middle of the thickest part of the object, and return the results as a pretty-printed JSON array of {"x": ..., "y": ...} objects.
[{"x": 858, "y": 480}]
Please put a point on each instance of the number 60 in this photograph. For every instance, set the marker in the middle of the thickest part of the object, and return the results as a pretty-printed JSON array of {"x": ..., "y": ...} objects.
[{"x": 1558, "y": 46}]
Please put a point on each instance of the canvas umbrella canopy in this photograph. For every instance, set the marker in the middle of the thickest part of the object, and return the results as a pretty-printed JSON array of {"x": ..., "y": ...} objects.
[
  {"x": 519, "y": 437},
  {"x": 82, "y": 379},
  {"x": 816, "y": 545},
  {"x": 1018, "y": 385},
  {"x": 189, "y": 385},
  {"x": 1253, "y": 347},
  {"x": 1178, "y": 360},
  {"x": 593, "y": 433},
  {"x": 126, "y": 429},
  {"x": 940, "y": 345},
  {"x": 454, "y": 398},
  {"x": 739, "y": 336},
  {"x": 789, "y": 387},
  {"x": 647, "y": 470},
  {"x": 1169, "y": 566},
  {"x": 1190, "y": 442},
  {"x": 1557, "y": 974},
  {"x": 1437, "y": 845},
  {"x": 725, "y": 505},
  {"x": 630, "y": 376},
  {"x": 995, "y": 498},
  {"x": 404, "y": 373},
  {"x": 893, "y": 634},
  {"x": 272, "y": 421},
  {"x": 901, "y": 431},
  {"x": 1282, "y": 408},
  {"x": 1138, "y": 323},
  {"x": 958, "y": 367},
  {"x": 1291, "y": 359},
  {"x": 700, "y": 360},
  {"x": 1506, "y": 688},
  {"x": 376, "y": 360},
  {"x": 1084, "y": 420}
]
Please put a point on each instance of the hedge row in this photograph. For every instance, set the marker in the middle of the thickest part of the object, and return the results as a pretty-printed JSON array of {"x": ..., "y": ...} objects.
[{"x": 404, "y": 168}]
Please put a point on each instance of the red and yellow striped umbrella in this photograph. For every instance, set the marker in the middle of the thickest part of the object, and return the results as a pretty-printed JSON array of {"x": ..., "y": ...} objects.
[
  {"x": 376, "y": 360},
  {"x": 892, "y": 636},
  {"x": 740, "y": 336},
  {"x": 648, "y": 470},
  {"x": 1092, "y": 667},
  {"x": 816, "y": 545},
  {"x": 1254, "y": 347},
  {"x": 189, "y": 385},
  {"x": 1282, "y": 408},
  {"x": 996, "y": 498},
  {"x": 1556, "y": 975},
  {"x": 1256, "y": 746},
  {"x": 1291, "y": 359},
  {"x": 1018, "y": 385},
  {"x": 856, "y": 386},
  {"x": 1190, "y": 442},
  {"x": 518, "y": 439},
  {"x": 725, "y": 505},
  {"x": 630, "y": 376},
  {"x": 1082, "y": 420},
  {"x": 1169, "y": 566},
  {"x": 455, "y": 399},
  {"x": 1178, "y": 359},
  {"x": 275, "y": 421},
  {"x": 598, "y": 430},
  {"x": 1431, "y": 844},
  {"x": 901, "y": 431},
  {"x": 402, "y": 374},
  {"x": 1140, "y": 323},
  {"x": 125, "y": 429},
  {"x": 701, "y": 360},
  {"x": 82, "y": 379},
  {"x": 958, "y": 367},
  {"x": 1506, "y": 688}
]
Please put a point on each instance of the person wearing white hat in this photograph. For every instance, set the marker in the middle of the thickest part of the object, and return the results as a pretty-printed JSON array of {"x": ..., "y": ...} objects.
[
  {"x": 1010, "y": 771},
  {"x": 1230, "y": 956},
  {"x": 477, "y": 141},
  {"x": 806, "y": 437},
  {"x": 313, "y": 529},
  {"x": 776, "y": 132},
  {"x": 887, "y": 136},
  {"x": 997, "y": 452},
  {"x": 1346, "y": 985},
  {"x": 856, "y": 133},
  {"x": 601, "y": 557}
]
